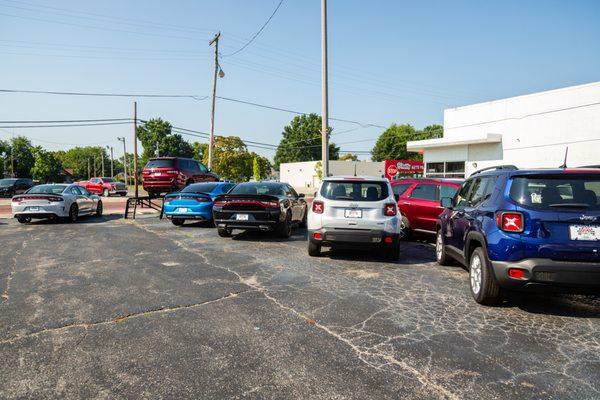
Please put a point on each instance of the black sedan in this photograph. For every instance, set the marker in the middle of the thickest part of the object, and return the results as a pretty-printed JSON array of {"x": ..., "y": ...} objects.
[
  {"x": 13, "y": 186},
  {"x": 264, "y": 206}
]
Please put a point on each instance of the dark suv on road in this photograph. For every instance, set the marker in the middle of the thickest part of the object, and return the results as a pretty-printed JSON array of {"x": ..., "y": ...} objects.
[
  {"x": 520, "y": 229},
  {"x": 171, "y": 174},
  {"x": 12, "y": 186}
]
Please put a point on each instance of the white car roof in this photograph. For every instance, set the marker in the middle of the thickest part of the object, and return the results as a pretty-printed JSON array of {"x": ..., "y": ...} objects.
[{"x": 354, "y": 178}]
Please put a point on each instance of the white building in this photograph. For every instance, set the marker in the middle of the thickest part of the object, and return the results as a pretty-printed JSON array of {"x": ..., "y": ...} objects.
[
  {"x": 527, "y": 131},
  {"x": 304, "y": 174}
]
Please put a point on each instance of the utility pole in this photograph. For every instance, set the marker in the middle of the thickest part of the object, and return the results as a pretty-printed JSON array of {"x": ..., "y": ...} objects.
[
  {"x": 122, "y": 139},
  {"x": 214, "y": 95},
  {"x": 89, "y": 176},
  {"x": 157, "y": 151},
  {"x": 12, "y": 158},
  {"x": 325, "y": 101},
  {"x": 102, "y": 157},
  {"x": 112, "y": 171},
  {"x": 135, "y": 153}
]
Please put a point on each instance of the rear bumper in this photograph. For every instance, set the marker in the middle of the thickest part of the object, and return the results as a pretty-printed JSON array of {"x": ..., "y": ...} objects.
[
  {"x": 545, "y": 272},
  {"x": 366, "y": 237},
  {"x": 200, "y": 215},
  {"x": 257, "y": 220},
  {"x": 43, "y": 211}
]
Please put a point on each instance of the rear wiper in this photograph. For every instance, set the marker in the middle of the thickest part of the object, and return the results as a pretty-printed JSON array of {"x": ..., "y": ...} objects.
[
  {"x": 570, "y": 205},
  {"x": 344, "y": 198}
]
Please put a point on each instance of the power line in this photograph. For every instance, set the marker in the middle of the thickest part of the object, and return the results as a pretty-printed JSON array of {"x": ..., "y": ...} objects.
[
  {"x": 257, "y": 33},
  {"x": 189, "y": 96},
  {"x": 64, "y": 125},
  {"x": 65, "y": 121}
]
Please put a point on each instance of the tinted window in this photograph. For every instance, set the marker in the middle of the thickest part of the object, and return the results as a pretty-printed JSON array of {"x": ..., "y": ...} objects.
[
  {"x": 200, "y": 188},
  {"x": 47, "y": 189},
  {"x": 462, "y": 200},
  {"x": 482, "y": 190},
  {"x": 425, "y": 191},
  {"x": 292, "y": 191},
  {"x": 7, "y": 182},
  {"x": 74, "y": 190},
  {"x": 227, "y": 188},
  {"x": 269, "y": 188},
  {"x": 447, "y": 191},
  {"x": 108, "y": 180},
  {"x": 161, "y": 163},
  {"x": 548, "y": 192},
  {"x": 400, "y": 189},
  {"x": 202, "y": 168},
  {"x": 353, "y": 190},
  {"x": 83, "y": 191}
]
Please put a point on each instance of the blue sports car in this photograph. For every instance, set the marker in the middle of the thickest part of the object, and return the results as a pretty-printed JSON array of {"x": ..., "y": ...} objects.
[{"x": 194, "y": 201}]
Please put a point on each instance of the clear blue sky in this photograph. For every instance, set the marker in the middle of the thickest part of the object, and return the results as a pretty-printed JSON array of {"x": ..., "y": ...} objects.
[{"x": 390, "y": 61}]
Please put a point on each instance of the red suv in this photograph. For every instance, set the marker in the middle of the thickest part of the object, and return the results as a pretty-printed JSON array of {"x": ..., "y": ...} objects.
[
  {"x": 419, "y": 201},
  {"x": 168, "y": 174}
]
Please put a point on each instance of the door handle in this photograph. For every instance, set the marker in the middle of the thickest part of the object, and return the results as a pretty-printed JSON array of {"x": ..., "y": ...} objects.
[{"x": 406, "y": 203}]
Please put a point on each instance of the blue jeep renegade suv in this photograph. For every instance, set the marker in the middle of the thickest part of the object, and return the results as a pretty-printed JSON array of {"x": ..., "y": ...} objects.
[{"x": 519, "y": 229}]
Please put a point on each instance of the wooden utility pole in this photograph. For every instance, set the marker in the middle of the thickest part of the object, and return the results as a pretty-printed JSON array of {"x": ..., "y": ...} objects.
[
  {"x": 122, "y": 139},
  {"x": 135, "y": 153},
  {"x": 214, "y": 95},
  {"x": 102, "y": 157},
  {"x": 324, "y": 89},
  {"x": 89, "y": 169},
  {"x": 112, "y": 170}
]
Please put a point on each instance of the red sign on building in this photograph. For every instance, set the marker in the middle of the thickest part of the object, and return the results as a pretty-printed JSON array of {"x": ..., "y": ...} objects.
[{"x": 395, "y": 169}]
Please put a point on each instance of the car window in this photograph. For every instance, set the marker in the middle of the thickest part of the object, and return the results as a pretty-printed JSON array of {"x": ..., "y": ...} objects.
[
  {"x": 292, "y": 191},
  {"x": 354, "y": 190},
  {"x": 204, "y": 187},
  {"x": 47, "y": 189},
  {"x": 447, "y": 191},
  {"x": 161, "y": 163},
  {"x": 462, "y": 198},
  {"x": 83, "y": 191},
  {"x": 399, "y": 190},
  {"x": 202, "y": 167},
  {"x": 259, "y": 188},
  {"x": 227, "y": 188},
  {"x": 482, "y": 189},
  {"x": 73, "y": 190},
  {"x": 555, "y": 192},
  {"x": 424, "y": 191}
]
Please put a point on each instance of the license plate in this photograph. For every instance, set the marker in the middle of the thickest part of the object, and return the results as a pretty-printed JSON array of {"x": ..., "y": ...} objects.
[
  {"x": 241, "y": 217},
  {"x": 156, "y": 174},
  {"x": 33, "y": 209},
  {"x": 182, "y": 210},
  {"x": 353, "y": 213},
  {"x": 584, "y": 232}
]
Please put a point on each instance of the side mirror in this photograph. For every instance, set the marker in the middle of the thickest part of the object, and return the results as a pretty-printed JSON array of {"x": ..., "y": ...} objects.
[
  {"x": 446, "y": 202},
  {"x": 301, "y": 195}
]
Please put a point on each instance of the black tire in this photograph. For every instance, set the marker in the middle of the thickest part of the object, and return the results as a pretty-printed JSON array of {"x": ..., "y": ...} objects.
[
  {"x": 177, "y": 221},
  {"x": 486, "y": 291},
  {"x": 99, "y": 209},
  {"x": 391, "y": 252},
  {"x": 73, "y": 213},
  {"x": 152, "y": 195},
  {"x": 441, "y": 256},
  {"x": 314, "y": 249},
  {"x": 123, "y": 194},
  {"x": 189, "y": 182},
  {"x": 284, "y": 230},
  {"x": 105, "y": 193},
  {"x": 405, "y": 232},
  {"x": 23, "y": 220},
  {"x": 224, "y": 232}
]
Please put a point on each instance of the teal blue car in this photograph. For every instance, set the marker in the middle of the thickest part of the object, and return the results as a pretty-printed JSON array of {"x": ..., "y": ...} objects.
[{"x": 194, "y": 202}]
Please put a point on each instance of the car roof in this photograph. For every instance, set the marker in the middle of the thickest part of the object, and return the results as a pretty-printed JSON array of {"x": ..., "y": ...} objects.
[
  {"x": 355, "y": 178},
  {"x": 400, "y": 181},
  {"x": 538, "y": 171}
]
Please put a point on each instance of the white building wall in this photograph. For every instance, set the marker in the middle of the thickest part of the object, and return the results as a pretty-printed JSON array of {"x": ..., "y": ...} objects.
[
  {"x": 535, "y": 129},
  {"x": 303, "y": 174}
]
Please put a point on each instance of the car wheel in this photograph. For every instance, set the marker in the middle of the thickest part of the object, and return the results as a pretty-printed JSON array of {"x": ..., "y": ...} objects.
[
  {"x": 224, "y": 232},
  {"x": 484, "y": 288},
  {"x": 314, "y": 249},
  {"x": 303, "y": 223},
  {"x": 405, "y": 231},
  {"x": 105, "y": 193},
  {"x": 23, "y": 220},
  {"x": 178, "y": 221},
  {"x": 151, "y": 195},
  {"x": 440, "y": 249},
  {"x": 285, "y": 228},
  {"x": 99, "y": 209},
  {"x": 123, "y": 194},
  {"x": 73, "y": 213},
  {"x": 391, "y": 253}
]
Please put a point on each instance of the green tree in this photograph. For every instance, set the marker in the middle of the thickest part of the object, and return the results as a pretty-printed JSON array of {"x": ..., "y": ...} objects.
[
  {"x": 156, "y": 134},
  {"x": 77, "y": 159},
  {"x": 198, "y": 150},
  {"x": 255, "y": 169},
  {"x": 301, "y": 141},
  {"x": 47, "y": 167},
  {"x": 264, "y": 166},
  {"x": 4, "y": 153},
  {"x": 431, "y": 132},
  {"x": 348, "y": 157},
  {"x": 391, "y": 145},
  {"x": 231, "y": 159},
  {"x": 20, "y": 151}
]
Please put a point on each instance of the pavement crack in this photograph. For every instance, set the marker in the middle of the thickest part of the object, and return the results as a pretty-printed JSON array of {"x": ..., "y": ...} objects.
[
  {"x": 121, "y": 318},
  {"x": 5, "y": 294}
]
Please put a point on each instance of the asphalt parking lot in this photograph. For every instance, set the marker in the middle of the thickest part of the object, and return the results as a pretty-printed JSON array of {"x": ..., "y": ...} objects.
[{"x": 110, "y": 308}]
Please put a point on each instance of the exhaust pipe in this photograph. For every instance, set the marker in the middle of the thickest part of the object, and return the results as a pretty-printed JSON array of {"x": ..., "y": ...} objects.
[{"x": 263, "y": 227}]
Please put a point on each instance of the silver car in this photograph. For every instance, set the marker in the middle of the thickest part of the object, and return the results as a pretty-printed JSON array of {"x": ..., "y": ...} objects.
[{"x": 55, "y": 201}]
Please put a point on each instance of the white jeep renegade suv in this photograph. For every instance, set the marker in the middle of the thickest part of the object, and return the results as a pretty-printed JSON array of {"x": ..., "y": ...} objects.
[{"x": 355, "y": 211}]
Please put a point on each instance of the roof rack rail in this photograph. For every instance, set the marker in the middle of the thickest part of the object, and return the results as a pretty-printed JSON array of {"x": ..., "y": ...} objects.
[{"x": 509, "y": 167}]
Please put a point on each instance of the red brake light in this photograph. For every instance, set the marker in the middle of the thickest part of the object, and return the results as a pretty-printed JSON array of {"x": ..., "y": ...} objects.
[
  {"x": 318, "y": 207},
  {"x": 390, "y": 210},
  {"x": 219, "y": 203},
  {"x": 55, "y": 199},
  {"x": 510, "y": 221},
  {"x": 202, "y": 199},
  {"x": 17, "y": 199}
]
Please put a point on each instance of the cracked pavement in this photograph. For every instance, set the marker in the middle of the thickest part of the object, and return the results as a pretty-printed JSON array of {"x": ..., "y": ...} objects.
[{"x": 118, "y": 309}]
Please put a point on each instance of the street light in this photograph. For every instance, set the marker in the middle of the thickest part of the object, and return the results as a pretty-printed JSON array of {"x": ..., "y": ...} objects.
[{"x": 122, "y": 139}]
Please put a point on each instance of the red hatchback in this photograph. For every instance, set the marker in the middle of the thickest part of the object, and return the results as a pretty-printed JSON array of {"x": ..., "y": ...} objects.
[
  {"x": 169, "y": 174},
  {"x": 419, "y": 201}
]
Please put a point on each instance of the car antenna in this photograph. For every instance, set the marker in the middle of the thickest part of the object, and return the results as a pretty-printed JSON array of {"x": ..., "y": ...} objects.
[
  {"x": 355, "y": 168},
  {"x": 565, "y": 163}
]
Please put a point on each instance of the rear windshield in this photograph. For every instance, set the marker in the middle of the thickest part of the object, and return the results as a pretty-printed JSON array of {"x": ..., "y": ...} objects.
[
  {"x": 200, "y": 188},
  {"x": 162, "y": 163},
  {"x": 576, "y": 192},
  {"x": 355, "y": 191},
  {"x": 47, "y": 189},
  {"x": 107, "y": 180},
  {"x": 7, "y": 182},
  {"x": 274, "y": 189}
]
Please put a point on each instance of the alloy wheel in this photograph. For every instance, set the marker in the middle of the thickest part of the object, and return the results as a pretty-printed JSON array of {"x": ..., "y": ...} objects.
[
  {"x": 439, "y": 246},
  {"x": 475, "y": 274}
]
